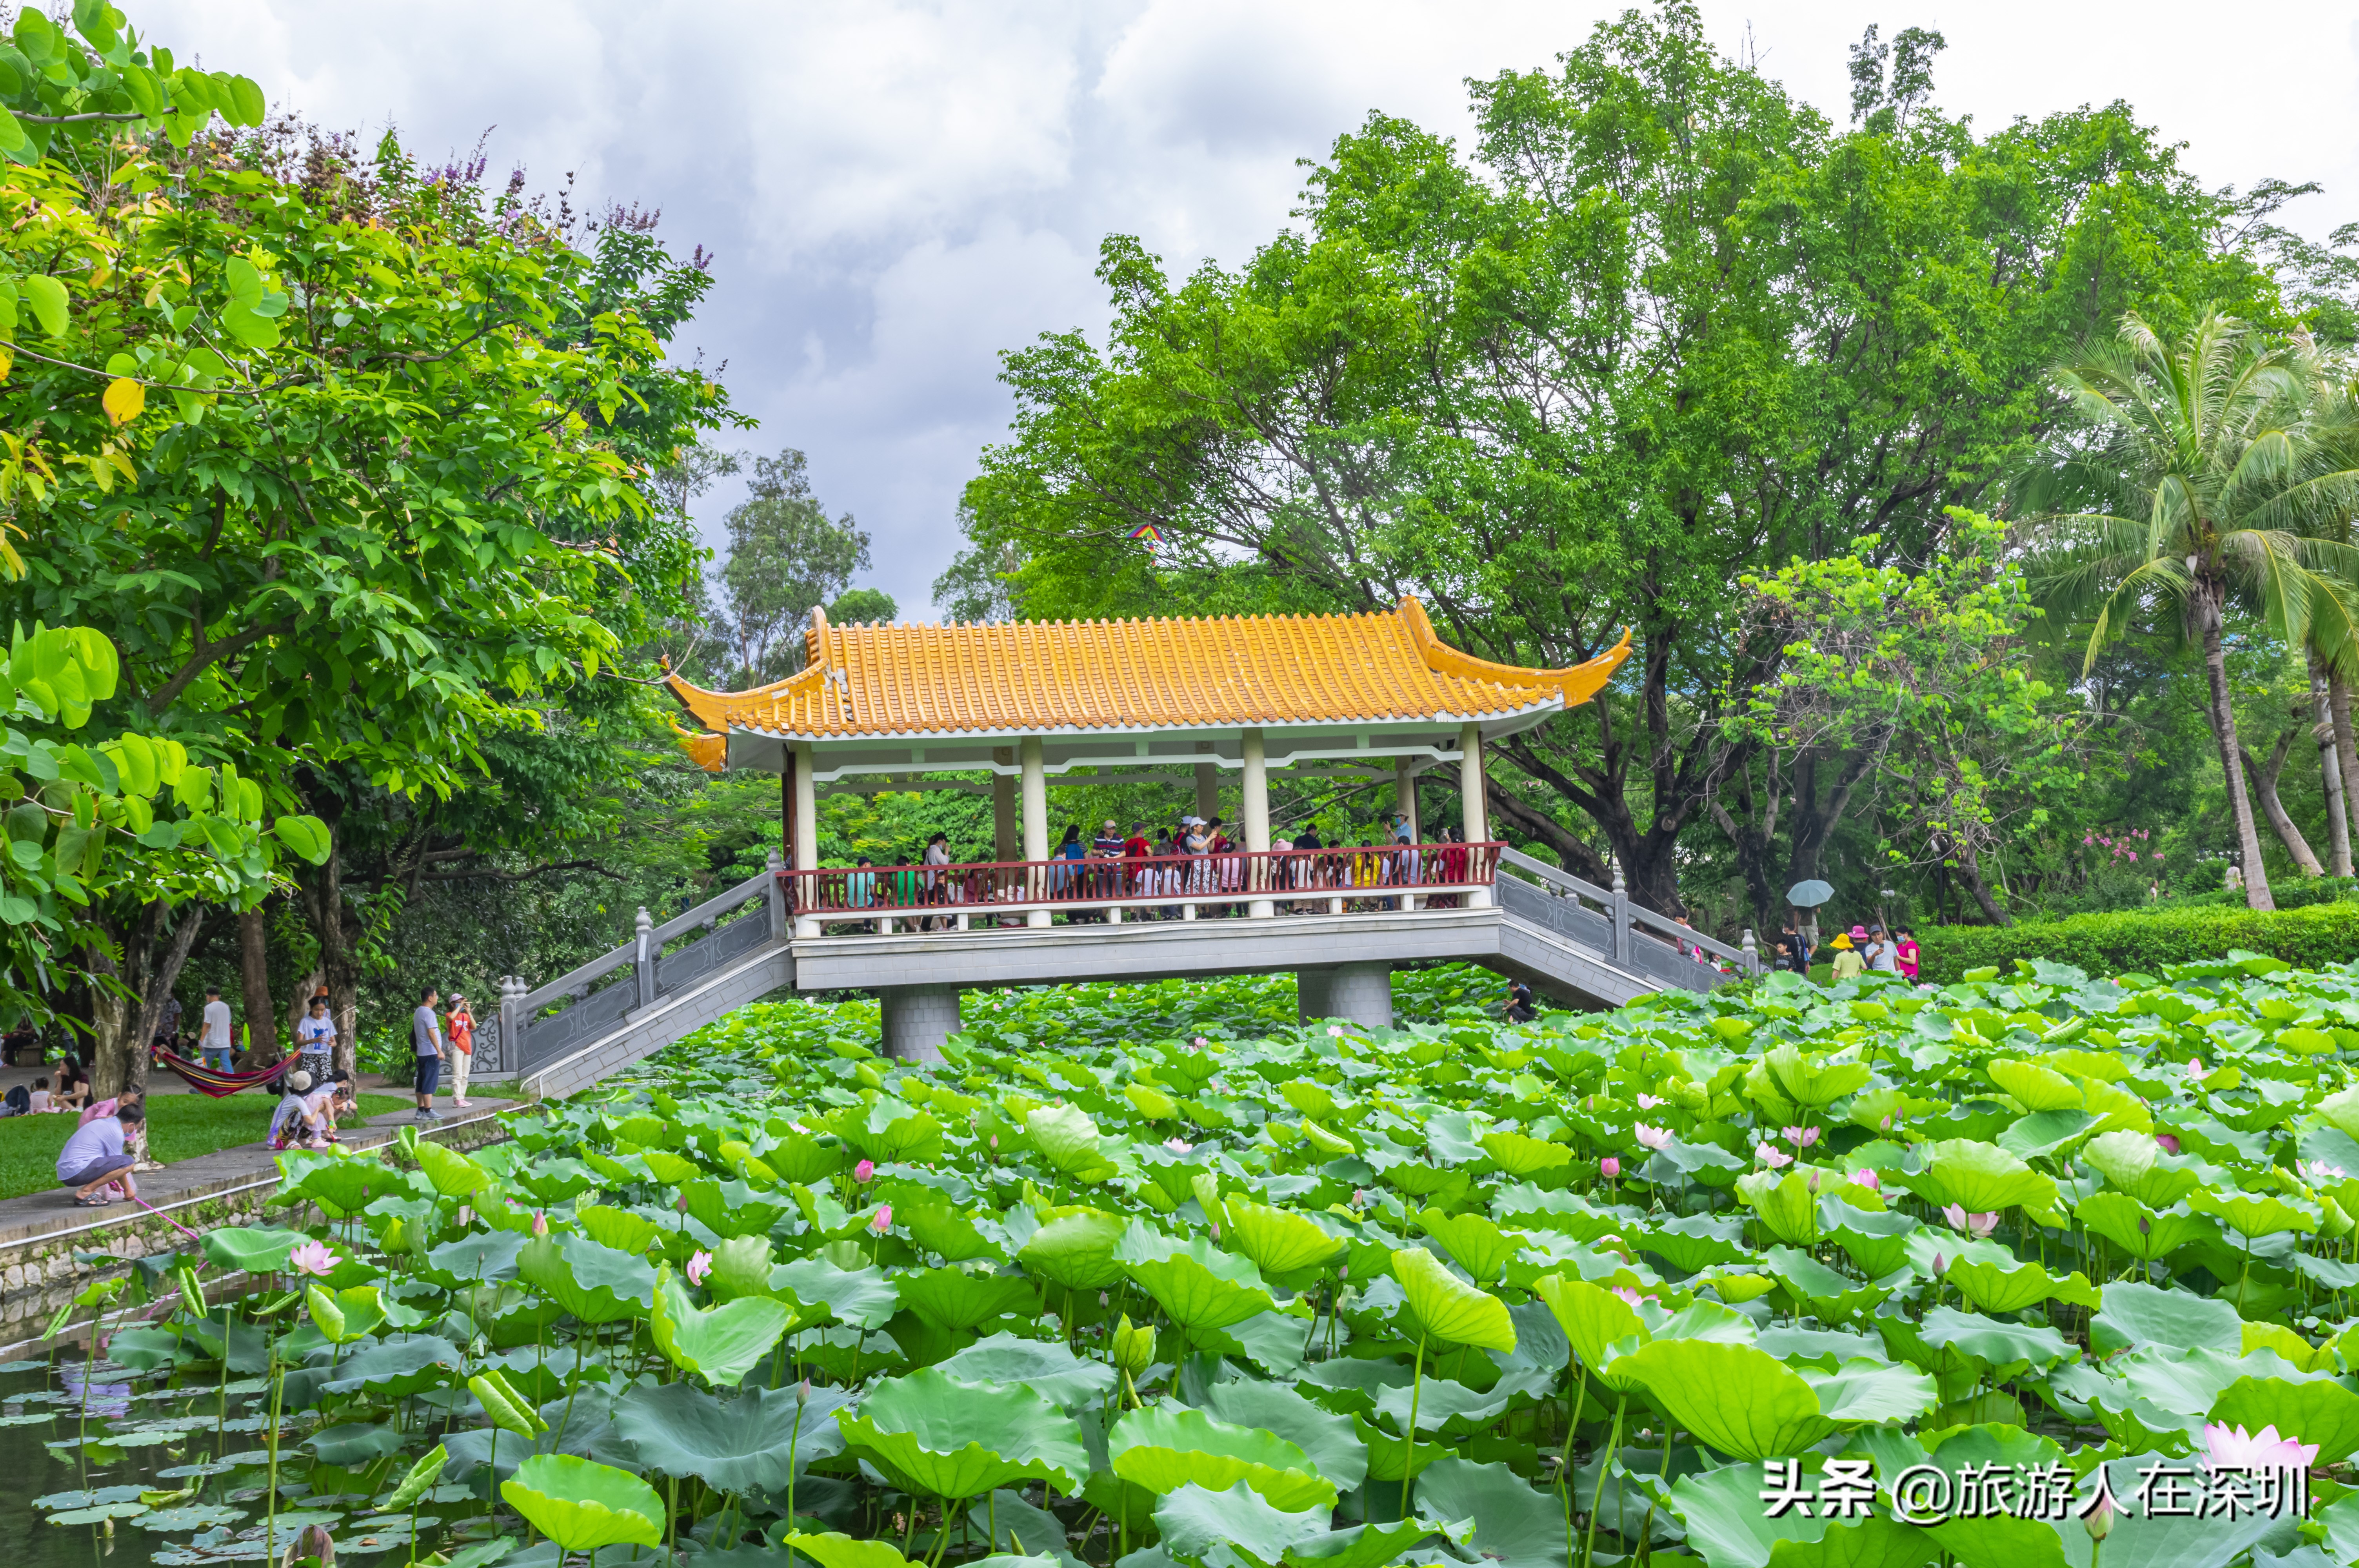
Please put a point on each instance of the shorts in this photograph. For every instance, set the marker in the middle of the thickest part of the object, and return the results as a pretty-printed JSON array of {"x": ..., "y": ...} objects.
[
  {"x": 97, "y": 1170},
  {"x": 429, "y": 1074}
]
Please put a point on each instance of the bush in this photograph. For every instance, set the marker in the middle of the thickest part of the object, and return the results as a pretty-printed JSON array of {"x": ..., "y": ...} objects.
[{"x": 2144, "y": 940}]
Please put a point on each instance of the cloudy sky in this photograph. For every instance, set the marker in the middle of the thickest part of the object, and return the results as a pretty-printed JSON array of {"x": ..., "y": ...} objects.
[{"x": 898, "y": 191}]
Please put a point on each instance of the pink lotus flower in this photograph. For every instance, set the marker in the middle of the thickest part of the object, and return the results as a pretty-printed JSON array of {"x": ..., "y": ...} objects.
[
  {"x": 698, "y": 1267},
  {"x": 863, "y": 1171},
  {"x": 312, "y": 1257},
  {"x": 1867, "y": 1179},
  {"x": 466, "y": 1217},
  {"x": 1978, "y": 1226},
  {"x": 1609, "y": 1167},
  {"x": 1178, "y": 1145},
  {"x": 1334, "y": 1032},
  {"x": 2231, "y": 1447},
  {"x": 1652, "y": 1137},
  {"x": 2319, "y": 1170},
  {"x": 1800, "y": 1137},
  {"x": 1630, "y": 1296},
  {"x": 1940, "y": 1264},
  {"x": 2167, "y": 1142},
  {"x": 539, "y": 1222},
  {"x": 882, "y": 1220},
  {"x": 1649, "y": 1102},
  {"x": 1772, "y": 1156},
  {"x": 2195, "y": 1067}
]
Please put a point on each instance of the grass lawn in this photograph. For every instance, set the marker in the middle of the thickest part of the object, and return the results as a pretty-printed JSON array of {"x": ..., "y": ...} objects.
[{"x": 179, "y": 1127}]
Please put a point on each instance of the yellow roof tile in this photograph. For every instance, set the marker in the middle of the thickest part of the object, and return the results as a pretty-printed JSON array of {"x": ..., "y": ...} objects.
[{"x": 1038, "y": 678}]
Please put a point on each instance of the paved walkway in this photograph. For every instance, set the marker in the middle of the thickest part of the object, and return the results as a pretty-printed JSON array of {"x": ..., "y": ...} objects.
[{"x": 46, "y": 1215}]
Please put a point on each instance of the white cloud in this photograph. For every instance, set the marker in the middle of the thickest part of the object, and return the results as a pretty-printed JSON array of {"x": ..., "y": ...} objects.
[{"x": 898, "y": 191}]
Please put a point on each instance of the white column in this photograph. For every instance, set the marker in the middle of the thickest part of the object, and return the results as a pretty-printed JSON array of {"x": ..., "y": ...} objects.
[
  {"x": 806, "y": 829},
  {"x": 1405, "y": 802},
  {"x": 1470, "y": 794},
  {"x": 1036, "y": 820},
  {"x": 1257, "y": 822}
]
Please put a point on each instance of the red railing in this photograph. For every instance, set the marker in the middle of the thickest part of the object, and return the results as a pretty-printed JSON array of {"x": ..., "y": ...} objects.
[{"x": 1433, "y": 875}]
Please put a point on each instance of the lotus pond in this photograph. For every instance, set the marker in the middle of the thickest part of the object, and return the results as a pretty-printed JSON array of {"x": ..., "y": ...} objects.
[{"x": 2033, "y": 1269}]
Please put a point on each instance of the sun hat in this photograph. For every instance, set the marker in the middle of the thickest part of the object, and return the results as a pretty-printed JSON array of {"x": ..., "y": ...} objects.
[
  {"x": 1859, "y": 933},
  {"x": 299, "y": 1082}
]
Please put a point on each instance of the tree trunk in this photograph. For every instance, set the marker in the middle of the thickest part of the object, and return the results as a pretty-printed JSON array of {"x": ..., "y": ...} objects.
[
  {"x": 150, "y": 967},
  {"x": 298, "y": 1005},
  {"x": 2223, "y": 717},
  {"x": 253, "y": 981},
  {"x": 2330, "y": 771},
  {"x": 2346, "y": 748},
  {"x": 1969, "y": 871},
  {"x": 2265, "y": 785},
  {"x": 323, "y": 891}
]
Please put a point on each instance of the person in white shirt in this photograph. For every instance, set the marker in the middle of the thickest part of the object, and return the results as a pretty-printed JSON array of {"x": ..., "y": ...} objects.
[
  {"x": 213, "y": 1037},
  {"x": 315, "y": 1039},
  {"x": 41, "y": 1100},
  {"x": 94, "y": 1162}
]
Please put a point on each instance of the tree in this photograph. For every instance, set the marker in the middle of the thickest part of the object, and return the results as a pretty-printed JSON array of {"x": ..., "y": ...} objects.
[
  {"x": 786, "y": 555},
  {"x": 1665, "y": 327},
  {"x": 861, "y": 604},
  {"x": 2192, "y": 486},
  {"x": 1920, "y": 676}
]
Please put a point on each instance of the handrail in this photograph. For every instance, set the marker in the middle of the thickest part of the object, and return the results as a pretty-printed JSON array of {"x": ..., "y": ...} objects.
[
  {"x": 579, "y": 979},
  {"x": 1618, "y": 901},
  {"x": 1555, "y": 874},
  {"x": 711, "y": 910}
]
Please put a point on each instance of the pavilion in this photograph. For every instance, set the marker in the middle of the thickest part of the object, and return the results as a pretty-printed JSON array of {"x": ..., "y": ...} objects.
[{"x": 1028, "y": 701}]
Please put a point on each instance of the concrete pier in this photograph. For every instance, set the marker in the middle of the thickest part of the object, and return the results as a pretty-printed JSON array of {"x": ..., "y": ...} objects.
[{"x": 918, "y": 1019}]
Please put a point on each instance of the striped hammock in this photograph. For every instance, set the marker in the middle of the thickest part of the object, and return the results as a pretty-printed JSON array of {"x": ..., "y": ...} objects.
[{"x": 213, "y": 1082}]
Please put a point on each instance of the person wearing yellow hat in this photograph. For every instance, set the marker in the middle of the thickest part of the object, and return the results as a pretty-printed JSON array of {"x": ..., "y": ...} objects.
[{"x": 1849, "y": 965}]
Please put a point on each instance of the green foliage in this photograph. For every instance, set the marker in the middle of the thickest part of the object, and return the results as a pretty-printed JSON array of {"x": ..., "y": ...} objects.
[{"x": 2145, "y": 941}]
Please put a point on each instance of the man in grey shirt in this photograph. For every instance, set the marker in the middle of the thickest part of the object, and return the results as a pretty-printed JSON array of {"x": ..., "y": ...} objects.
[{"x": 426, "y": 1037}]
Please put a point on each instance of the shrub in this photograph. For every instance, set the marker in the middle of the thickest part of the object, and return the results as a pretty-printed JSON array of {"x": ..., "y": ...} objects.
[{"x": 2144, "y": 940}]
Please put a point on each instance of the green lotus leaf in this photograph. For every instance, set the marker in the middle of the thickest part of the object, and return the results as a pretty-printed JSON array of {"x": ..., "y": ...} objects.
[
  {"x": 1814, "y": 1081},
  {"x": 1076, "y": 1250},
  {"x": 595, "y": 1283},
  {"x": 1438, "y": 1401},
  {"x": 2134, "y": 1164},
  {"x": 2318, "y": 1412},
  {"x": 936, "y": 1225},
  {"x": 1595, "y": 1321},
  {"x": 1367, "y": 1545},
  {"x": 484, "y": 1258},
  {"x": 1198, "y": 1286},
  {"x": 452, "y": 1174},
  {"x": 2139, "y": 1230},
  {"x": 1388, "y": 1457},
  {"x": 1168, "y": 1447},
  {"x": 1986, "y": 1340},
  {"x": 2045, "y": 1132},
  {"x": 2134, "y": 1314},
  {"x": 2253, "y": 1214},
  {"x": 409, "y": 1365},
  {"x": 1736, "y": 1399},
  {"x": 555, "y": 1180},
  {"x": 835, "y": 1550},
  {"x": 721, "y": 1343},
  {"x": 341, "y": 1182},
  {"x": 619, "y": 1228},
  {"x": 1044, "y": 1366},
  {"x": 1280, "y": 1242},
  {"x": 1788, "y": 1208},
  {"x": 955, "y": 1300},
  {"x": 741, "y": 1267},
  {"x": 1991, "y": 1287},
  {"x": 583, "y": 1505},
  {"x": 1983, "y": 1178},
  {"x": 1195, "y": 1521},
  {"x": 1863, "y": 1392},
  {"x": 1727, "y": 1525},
  {"x": 1475, "y": 1244},
  {"x": 1513, "y": 1524},
  {"x": 1329, "y": 1439},
  {"x": 862, "y": 1297},
  {"x": 420, "y": 1479},
  {"x": 734, "y": 1445},
  {"x": 246, "y": 1249},
  {"x": 1520, "y": 1155},
  {"x": 951, "y": 1439},
  {"x": 1070, "y": 1141},
  {"x": 2034, "y": 1087},
  {"x": 1447, "y": 1309}
]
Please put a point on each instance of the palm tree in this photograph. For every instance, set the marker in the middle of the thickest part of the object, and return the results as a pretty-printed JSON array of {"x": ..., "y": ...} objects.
[{"x": 2201, "y": 477}]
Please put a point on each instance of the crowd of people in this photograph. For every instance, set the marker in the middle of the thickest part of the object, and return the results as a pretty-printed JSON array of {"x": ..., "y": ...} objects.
[
  {"x": 1195, "y": 862},
  {"x": 1855, "y": 952}
]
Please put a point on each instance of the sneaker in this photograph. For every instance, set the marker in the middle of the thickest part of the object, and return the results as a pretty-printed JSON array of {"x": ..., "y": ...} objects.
[{"x": 460, "y": 1104}]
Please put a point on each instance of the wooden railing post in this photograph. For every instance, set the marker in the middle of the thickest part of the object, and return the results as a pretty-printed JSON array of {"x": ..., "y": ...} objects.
[
  {"x": 777, "y": 891},
  {"x": 1619, "y": 912}
]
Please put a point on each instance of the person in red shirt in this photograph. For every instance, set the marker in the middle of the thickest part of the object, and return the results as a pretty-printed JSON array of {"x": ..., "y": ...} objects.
[
  {"x": 462, "y": 1033},
  {"x": 1907, "y": 953}
]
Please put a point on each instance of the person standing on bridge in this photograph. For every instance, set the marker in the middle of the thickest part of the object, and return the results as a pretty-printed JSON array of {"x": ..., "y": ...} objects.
[
  {"x": 426, "y": 1040},
  {"x": 463, "y": 1048}
]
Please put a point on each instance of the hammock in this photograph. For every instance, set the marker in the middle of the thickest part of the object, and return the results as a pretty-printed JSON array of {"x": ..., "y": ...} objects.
[{"x": 214, "y": 1082}]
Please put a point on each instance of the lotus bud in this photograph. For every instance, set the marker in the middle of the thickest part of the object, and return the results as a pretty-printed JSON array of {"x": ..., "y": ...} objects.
[
  {"x": 882, "y": 1220},
  {"x": 466, "y": 1217},
  {"x": 1134, "y": 1347},
  {"x": 2099, "y": 1521},
  {"x": 863, "y": 1171},
  {"x": 1343, "y": 1271},
  {"x": 1104, "y": 1300},
  {"x": 2146, "y": 1225},
  {"x": 679, "y": 1204},
  {"x": 1940, "y": 1264},
  {"x": 802, "y": 1392},
  {"x": 539, "y": 1222},
  {"x": 1610, "y": 1168},
  {"x": 1868, "y": 1179}
]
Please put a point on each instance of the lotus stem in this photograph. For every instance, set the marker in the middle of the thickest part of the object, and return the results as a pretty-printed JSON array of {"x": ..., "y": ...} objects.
[
  {"x": 1408, "y": 1452},
  {"x": 1597, "y": 1497}
]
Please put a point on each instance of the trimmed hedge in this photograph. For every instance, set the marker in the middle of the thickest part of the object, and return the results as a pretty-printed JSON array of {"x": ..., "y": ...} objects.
[{"x": 2144, "y": 940}]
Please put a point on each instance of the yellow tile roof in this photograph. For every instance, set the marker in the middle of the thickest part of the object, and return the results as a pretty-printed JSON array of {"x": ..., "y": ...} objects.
[{"x": 1039, "y": 677}]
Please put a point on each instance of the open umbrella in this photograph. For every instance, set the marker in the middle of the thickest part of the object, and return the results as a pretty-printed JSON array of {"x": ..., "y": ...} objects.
[{"x": 1810, "y": 894}]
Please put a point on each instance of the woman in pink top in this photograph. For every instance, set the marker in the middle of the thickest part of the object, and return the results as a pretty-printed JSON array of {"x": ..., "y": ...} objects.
[{"x": 1905, "y": 953}]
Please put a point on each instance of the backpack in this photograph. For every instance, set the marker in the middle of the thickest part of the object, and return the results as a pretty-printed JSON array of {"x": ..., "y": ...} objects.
[{"x": 19, "y": 1102}]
